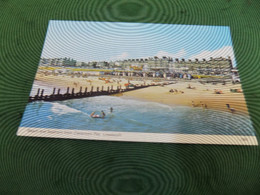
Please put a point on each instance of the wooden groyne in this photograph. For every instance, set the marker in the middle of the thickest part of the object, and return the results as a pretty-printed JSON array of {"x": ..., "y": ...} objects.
[{"x": 81, "y": 94}]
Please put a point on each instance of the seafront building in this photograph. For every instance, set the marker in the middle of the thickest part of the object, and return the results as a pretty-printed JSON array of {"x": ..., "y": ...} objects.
[
  {"x": 164, "y": 65},
  {"x": 58, "y": 62}
]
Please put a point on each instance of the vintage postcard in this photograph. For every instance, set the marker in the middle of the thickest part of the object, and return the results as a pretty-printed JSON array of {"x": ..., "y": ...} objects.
[{"x": 138, "y": 82}]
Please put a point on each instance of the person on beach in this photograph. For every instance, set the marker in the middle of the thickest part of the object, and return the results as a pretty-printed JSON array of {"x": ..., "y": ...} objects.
[
  {"x": 217, "y": 91},
  {"x": 190, "y": 87},
  {"x": 111, "y": 109},
  {"x": 231, "y": 109}
]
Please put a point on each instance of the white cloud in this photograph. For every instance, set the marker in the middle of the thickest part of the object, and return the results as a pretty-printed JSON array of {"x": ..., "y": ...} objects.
[
  {"x": 179, "y": 54},
  {"x": 222, "y": 52},
  {"x": 122, "y": 56}
]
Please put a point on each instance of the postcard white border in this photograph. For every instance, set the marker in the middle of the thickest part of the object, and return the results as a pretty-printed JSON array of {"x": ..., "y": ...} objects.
[{"x": 138, "y": 137}]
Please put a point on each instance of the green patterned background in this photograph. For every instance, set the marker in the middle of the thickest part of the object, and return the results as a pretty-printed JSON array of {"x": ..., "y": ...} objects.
[{"x": 61, "y": 166}]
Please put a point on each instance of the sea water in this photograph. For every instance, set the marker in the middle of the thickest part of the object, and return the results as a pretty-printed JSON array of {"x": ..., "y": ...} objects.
[{"x": 130, "y": 115}]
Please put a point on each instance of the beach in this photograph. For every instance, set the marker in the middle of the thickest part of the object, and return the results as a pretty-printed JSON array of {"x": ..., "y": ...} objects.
[
  {"x": 182, "y": 111},
  {"x": 186, "y": 93},
  {"x": 64, "y": 81},
  {"x": 202, "y": 96}
]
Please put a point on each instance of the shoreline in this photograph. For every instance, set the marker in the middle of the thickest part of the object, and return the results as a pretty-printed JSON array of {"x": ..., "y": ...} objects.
[{"x": 199, "y": 95}]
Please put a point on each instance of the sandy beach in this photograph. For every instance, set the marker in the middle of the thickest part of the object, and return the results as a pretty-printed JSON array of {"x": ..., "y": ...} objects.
[
  {"x": 198, "y": 95},
  {"x": 202, "y": 96},
  {"x": 63, "y": 81}
]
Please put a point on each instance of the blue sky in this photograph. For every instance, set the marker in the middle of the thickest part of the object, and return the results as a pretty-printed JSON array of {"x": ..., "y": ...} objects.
[{"x": 98, "y": 41}]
